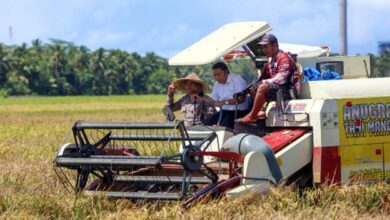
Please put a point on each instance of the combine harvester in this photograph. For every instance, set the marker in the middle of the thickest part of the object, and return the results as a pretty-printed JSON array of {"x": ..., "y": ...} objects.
[{"x": 335, "y": 132}]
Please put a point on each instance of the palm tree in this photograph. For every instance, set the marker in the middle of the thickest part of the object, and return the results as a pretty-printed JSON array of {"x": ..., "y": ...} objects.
[
  {"x": 98, "y": 67},
  {"x": 4, "y": 65}
]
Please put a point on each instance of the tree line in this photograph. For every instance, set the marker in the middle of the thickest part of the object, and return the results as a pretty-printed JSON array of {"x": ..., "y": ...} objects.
[{"x": 63, "y": 68}]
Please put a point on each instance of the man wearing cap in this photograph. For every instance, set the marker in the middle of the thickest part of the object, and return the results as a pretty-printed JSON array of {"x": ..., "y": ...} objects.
[
  {"x": 194, "y": 111},
  {"x": 278, "y": 72},
  {"x": 226, "y": 85}
]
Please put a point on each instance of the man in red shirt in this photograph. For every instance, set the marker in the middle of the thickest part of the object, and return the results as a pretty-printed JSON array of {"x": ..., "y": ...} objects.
[{"x": 278, "y": 73}]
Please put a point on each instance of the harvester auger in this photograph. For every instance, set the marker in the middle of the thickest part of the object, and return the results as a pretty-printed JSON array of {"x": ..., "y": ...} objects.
[{"x": 145, "y": 161}]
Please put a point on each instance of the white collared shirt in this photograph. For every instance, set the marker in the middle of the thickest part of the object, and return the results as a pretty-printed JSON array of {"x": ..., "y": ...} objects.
[{"x": 233, "y": 84}]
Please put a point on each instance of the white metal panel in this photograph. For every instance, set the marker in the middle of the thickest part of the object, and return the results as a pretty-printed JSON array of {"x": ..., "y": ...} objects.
[
  {"x": 297, "y": 114},
  {"x": 296, "y": 155},
  {"x": 315, "y": 121},
  {"x": 324, "y": 120},
  {"x": 256, "y": 166},
  {"x": 220, "y": 42},
  {"x": 290, "y": 160},
  {"x": 346, "y": 88},
  {"x": 354, "y": 66},
  {"x": 242, "y": 190},
  {"x": 304, "y": 51}
]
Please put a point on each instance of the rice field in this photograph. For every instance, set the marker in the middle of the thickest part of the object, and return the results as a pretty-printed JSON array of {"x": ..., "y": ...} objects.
[{"x": 31, "y": 129}]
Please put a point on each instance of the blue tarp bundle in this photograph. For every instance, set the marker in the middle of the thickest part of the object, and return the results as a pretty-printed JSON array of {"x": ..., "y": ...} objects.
[{"x": 311, "y": 74}]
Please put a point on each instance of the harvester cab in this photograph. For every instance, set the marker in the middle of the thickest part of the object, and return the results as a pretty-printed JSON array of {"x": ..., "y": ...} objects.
[{"x": 335, "y": 131}]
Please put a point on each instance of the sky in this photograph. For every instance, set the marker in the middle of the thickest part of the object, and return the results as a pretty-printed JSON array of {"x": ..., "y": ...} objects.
[{"x": 168, "y": 26}]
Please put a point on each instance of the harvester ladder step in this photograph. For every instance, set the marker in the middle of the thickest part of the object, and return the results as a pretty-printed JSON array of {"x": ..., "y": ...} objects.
[
  {"x": 161, "y": 179},
  {"x": 137, "y": 195},
  {"x": 108, "y": 161}
]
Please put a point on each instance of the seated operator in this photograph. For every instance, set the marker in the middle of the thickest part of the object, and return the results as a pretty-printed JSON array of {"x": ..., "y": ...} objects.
[{"x": 278, "y": 74}]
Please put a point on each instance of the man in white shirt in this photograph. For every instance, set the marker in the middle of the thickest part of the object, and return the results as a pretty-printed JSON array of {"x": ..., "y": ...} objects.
[{"x": 226, "y": 85}]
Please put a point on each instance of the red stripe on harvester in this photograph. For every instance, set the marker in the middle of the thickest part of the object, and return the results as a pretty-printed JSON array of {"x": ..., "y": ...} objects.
[
  {"x": 326, "y": 165},
  {"x": 278, "y": 140}
]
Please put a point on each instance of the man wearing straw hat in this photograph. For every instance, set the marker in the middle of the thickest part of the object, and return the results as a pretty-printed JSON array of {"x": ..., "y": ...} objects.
[{"x": 194, "y": 111}]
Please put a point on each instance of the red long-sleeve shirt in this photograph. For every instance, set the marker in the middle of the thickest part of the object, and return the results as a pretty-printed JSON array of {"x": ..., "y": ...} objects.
[{"x": 277, "y": 70}]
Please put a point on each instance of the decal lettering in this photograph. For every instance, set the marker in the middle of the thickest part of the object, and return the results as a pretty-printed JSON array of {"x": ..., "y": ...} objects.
[{"x": 367, "y": 119}]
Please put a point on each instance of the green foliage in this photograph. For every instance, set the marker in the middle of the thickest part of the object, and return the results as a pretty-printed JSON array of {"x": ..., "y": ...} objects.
[
  {"x": 159, "y": 81},
  {"x": 4, "y": 93},
  {"x": 382, "y": 65},
  {"x": 62, "y": 68}
]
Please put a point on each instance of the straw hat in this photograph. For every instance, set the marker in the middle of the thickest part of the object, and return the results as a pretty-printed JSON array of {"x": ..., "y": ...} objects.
[{"x": 180, "y": 84}]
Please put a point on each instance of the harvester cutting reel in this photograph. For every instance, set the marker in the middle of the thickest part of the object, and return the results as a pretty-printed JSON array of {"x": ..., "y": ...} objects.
[{"x": 144, "y": 161}]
